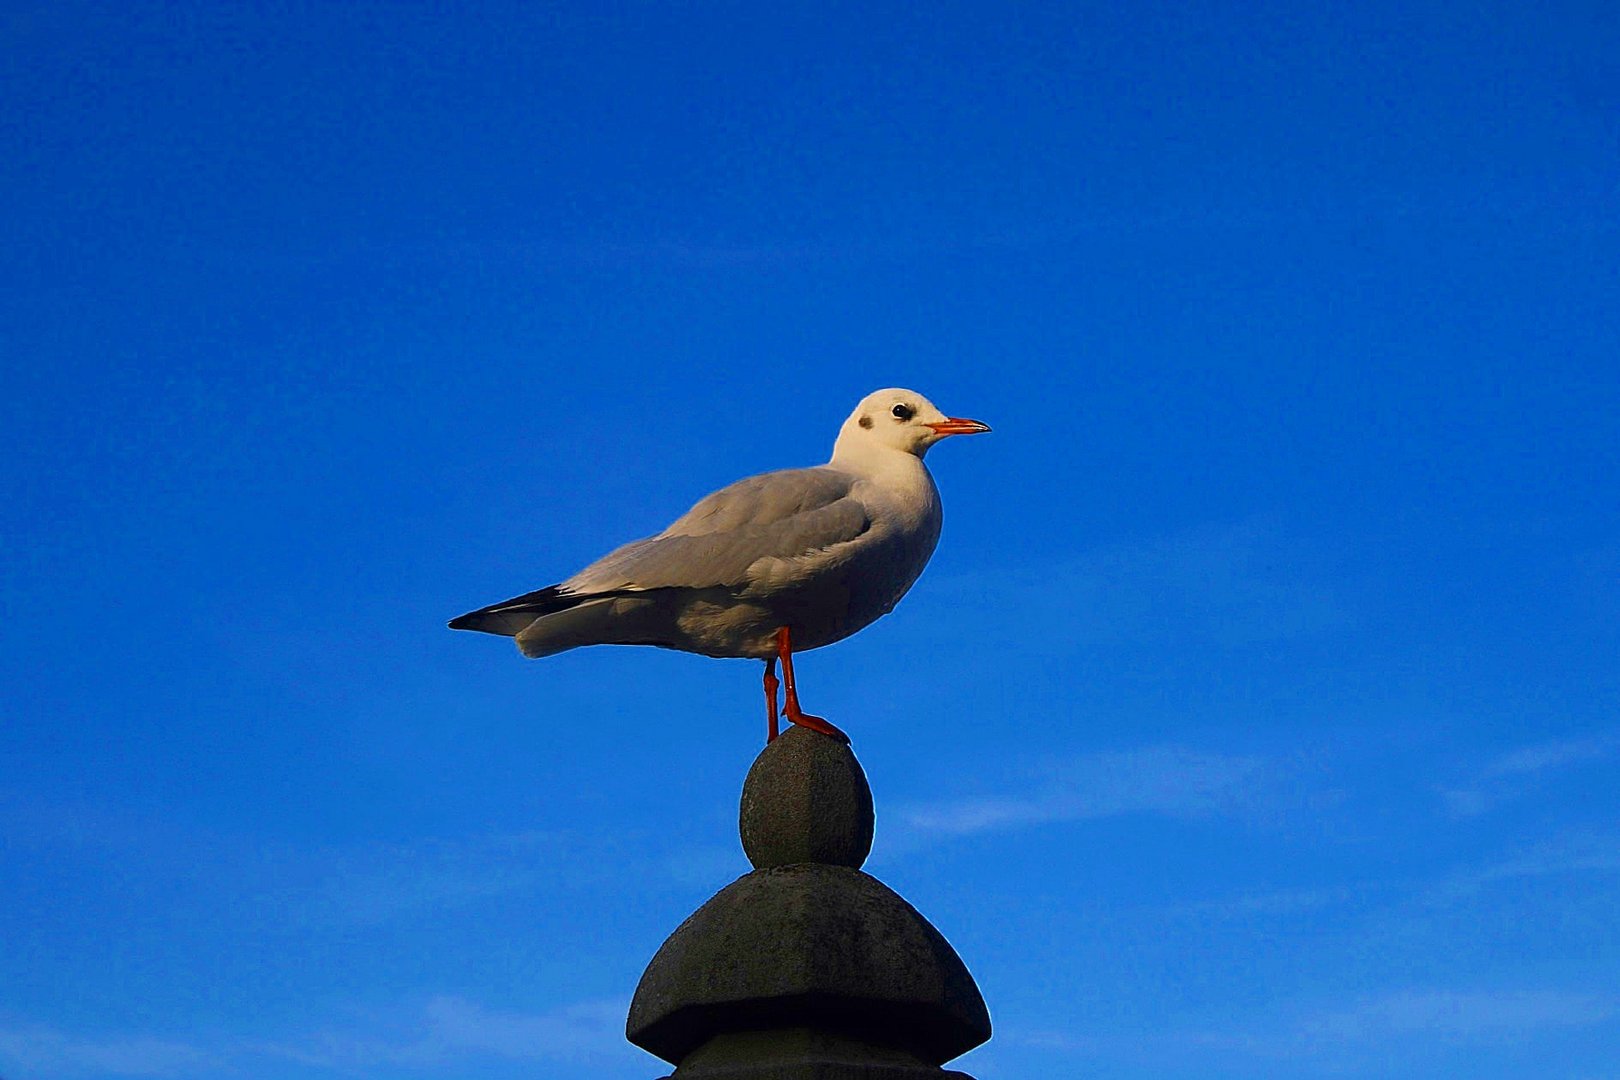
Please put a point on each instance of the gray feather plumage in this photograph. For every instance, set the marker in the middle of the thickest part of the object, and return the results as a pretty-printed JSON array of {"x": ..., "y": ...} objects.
[
  {"x": 821, "y": 551},
  {"x": 773, "y": 516}
]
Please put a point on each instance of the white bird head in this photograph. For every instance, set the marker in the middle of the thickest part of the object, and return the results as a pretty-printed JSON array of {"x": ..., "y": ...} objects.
[{"x": 896, "y": 419}]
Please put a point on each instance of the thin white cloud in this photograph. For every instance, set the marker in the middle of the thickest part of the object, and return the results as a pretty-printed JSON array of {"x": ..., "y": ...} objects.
[
  {"x": 704, "y": 865},
  {"x": 1281, "y": 902},
  {"x": 1392, "y": 1026},
  {"x": 1454, "y": 1015},
  {"x": 40, "y": 1051},
  {"x": 1222, "y": 585},
  {"x": 1518, "y": 771},
  {"x": 383, "y": 884},
  {"x": 581, "y": 1030},
  {"x": 1052, "y": 1039},
  {"x": 270, "y": 887},
  {"x": 441, "y": 1032},
  {"x": 449, "y": 1029},
  {"x": 1157, "y": 780},
  {"x": 377, "y": 885},
  {"x": 1380, "y": 1034},
  {"x": 1572, "y": 853},
  {"x": 1531, "y": 760},
  {"x": 1466, "y": 802}
]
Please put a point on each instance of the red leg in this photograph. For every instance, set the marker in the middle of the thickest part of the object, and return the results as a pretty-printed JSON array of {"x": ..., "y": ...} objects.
[
  {"x": 784, "y": 649},
  {"x": 770, "y": 701}
]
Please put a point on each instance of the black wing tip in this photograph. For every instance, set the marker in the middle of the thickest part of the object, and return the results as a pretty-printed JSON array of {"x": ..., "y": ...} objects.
[{"x": 540, "y": 602}]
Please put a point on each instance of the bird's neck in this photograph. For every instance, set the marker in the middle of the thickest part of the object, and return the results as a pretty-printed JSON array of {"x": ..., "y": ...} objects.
[{"x": 882, "y": 464}]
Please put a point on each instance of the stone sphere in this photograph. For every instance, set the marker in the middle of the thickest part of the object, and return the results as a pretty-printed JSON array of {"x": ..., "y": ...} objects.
[{"x": 806, "y": 800}]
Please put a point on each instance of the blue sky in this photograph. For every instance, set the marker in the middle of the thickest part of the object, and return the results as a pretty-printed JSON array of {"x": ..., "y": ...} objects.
[{"x": 1256, "y": 717}]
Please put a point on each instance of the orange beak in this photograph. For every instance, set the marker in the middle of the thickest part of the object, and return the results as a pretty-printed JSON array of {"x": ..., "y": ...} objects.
[{"x": 955, "y": 425}]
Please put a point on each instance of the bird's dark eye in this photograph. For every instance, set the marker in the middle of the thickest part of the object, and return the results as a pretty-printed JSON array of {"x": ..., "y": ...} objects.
[{"x": 903, "y": 412}]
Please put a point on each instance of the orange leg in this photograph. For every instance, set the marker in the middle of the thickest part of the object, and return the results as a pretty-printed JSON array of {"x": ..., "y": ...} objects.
[
  {"x": 784, "y": 650},
  {"x": 770, "y": 701}
]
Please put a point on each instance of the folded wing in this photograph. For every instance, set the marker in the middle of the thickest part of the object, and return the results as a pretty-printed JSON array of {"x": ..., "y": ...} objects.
[
  {"x": 781, "y": 515},
  {"x": 731, "y": 539}
]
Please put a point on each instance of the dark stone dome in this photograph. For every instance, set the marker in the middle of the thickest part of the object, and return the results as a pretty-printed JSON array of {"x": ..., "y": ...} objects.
[{"x": 809, "y": 944}]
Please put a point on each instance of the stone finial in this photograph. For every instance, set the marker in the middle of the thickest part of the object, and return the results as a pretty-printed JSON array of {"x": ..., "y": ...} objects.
[
  {"x": 806, "y": 801},
  {"x": 807, "y": 968}
]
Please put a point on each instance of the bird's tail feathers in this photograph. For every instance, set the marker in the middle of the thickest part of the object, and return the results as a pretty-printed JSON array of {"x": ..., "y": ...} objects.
[
  {"x": 609, "y": 619},
  {"x": 509, "y": 617}
]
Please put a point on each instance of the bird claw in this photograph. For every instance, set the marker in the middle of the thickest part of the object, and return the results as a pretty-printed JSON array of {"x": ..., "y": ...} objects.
[{"x": 820, "y": 726}]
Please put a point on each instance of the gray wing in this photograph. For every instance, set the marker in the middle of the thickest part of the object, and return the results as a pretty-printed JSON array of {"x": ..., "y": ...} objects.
[{"x": 776, "y": 516}]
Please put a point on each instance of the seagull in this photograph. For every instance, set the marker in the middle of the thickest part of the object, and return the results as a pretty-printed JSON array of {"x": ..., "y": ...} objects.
[{"x": 781, "y": 562}]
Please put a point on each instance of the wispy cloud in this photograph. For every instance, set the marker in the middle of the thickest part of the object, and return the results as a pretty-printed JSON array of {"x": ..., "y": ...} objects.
[
  {"x": 1157, "y": 780},
  {"x": 1275, "y": 902},
  {"x": 1224, "y": 585},
  {"x": 450, "y": 1029},
  {"x": 378, "y": 884},
  {"x": 1364, "y": 1036},
  {"x": 442, "y": 1031},
  {"x": 1454, "y": 1015},
  {"x": 265, "y": 886},
  {"x": 1572, "y": 853},
  {"x": 1513, "y": 773},
  {"x": 1554, "y": 755},
  {"x": 1383, "y": 1034},
  {"x": 704, "y": 865},
  {"x": 36, "y": 1050}
]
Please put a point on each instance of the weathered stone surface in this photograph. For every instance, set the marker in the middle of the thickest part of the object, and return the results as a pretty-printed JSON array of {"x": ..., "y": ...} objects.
[
  {"x": 809, "y": 945},
  {"x": 803, "y": 1054},
  {"x": 807, "y": 969},
  {"x": 806, "y": 800}
]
